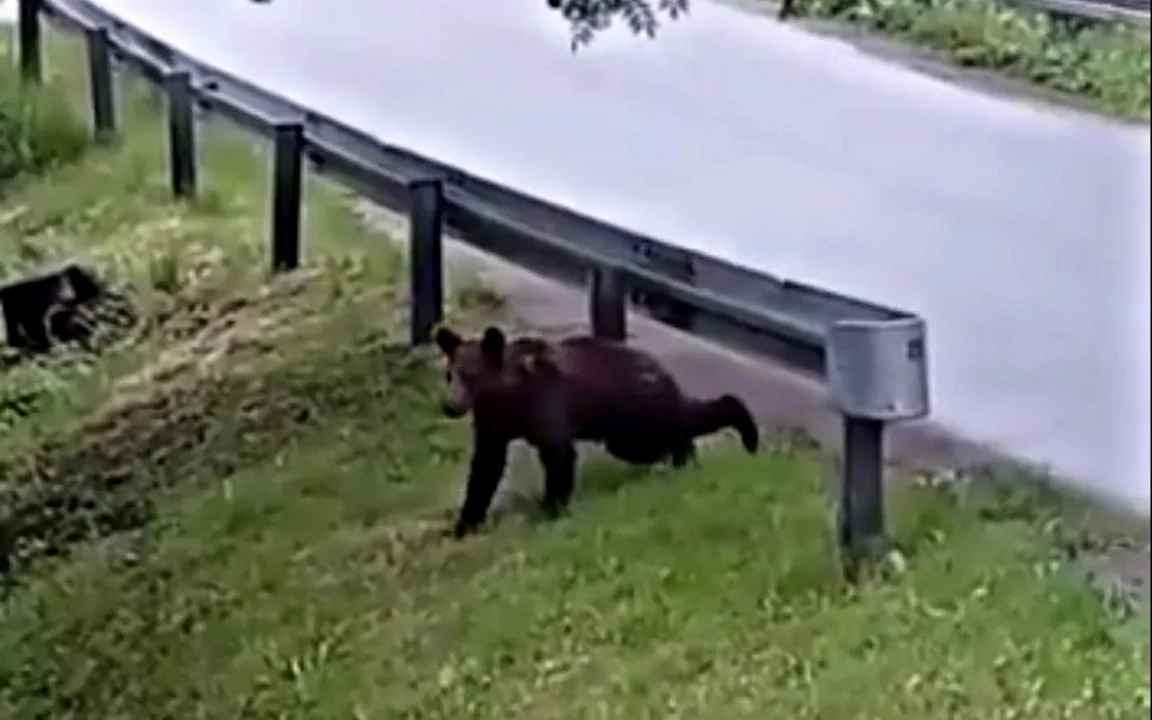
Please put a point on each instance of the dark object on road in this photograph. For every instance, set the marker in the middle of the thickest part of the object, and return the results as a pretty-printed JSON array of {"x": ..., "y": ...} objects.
[
  {"x": 580, "y": 388},
  {"x": 56, "y": 307}
]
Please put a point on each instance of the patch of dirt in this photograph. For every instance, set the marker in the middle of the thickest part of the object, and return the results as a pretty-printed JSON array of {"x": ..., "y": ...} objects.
[{"x": 1122, "y": 572}]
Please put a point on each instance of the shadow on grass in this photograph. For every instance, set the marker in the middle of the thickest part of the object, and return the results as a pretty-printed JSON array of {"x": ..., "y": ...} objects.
[{"x": 599, "y": 476}]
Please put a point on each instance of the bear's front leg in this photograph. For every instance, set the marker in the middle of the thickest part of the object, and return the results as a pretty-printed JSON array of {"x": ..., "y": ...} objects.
[
  {"x": 559, "y": 463},
  {"x": 489, "y": 457}
]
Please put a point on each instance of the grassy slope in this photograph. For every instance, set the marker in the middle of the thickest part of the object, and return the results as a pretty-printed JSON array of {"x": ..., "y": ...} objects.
[{"x": 294, "y": 564}]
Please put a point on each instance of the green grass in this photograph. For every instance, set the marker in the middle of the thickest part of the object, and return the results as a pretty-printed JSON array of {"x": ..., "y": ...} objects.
[
  {"x": 317, "y": 584},
  {"x": 239, "y": 512},
  {"x": 1105, "y": 64},
  {"x": 36, "y": 131}
]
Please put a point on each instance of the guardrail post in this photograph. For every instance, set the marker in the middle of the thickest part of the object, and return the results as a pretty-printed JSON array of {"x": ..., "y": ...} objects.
[
  {"x": 675, "y": 264},
  {"x": 100, "y": 85},
  {"x": 426, "y": 257},
  {"x": 608, "y": 309},
  {"x": 877, "y": 373},
  {"x": 28, "y": 18},
  {"x": 181, "y": 133},
  {"x": 861, "y": 522},
  {"x": 287, "y": 194}
]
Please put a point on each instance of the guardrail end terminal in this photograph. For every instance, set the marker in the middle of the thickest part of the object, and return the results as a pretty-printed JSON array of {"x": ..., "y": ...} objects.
[{"x": 877, "y": 373}]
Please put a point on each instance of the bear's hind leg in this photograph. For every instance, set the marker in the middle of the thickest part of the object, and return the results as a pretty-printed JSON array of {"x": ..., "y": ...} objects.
[
  {"x": 559, "y": 463},
  {"x": 705, "y": 417}
]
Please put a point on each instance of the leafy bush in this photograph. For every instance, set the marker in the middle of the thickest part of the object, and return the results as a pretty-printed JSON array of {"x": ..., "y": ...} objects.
[
  {"x": 38, "y": 127},
  {"x": 1108, "y": 64}
]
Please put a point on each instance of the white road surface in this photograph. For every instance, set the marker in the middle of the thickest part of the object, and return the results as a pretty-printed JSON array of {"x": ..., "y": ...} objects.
[{"x": 1021, "y": 233}]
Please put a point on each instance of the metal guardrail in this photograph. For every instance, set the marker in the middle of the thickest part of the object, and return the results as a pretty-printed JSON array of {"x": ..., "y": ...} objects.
[
  {"x": 872, "y": 356},
  {"x": 1133, "y": 12}
]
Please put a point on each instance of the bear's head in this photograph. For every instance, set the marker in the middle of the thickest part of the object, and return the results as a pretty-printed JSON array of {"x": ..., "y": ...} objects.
[
  {"x": 475, "y": 367},
  {"x": 491, "y": 365}
]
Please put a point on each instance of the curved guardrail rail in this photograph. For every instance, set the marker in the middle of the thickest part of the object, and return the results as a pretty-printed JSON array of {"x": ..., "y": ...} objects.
[
  {"x": 1132, "y": 12},
  {"x": 872, "y": 356}
]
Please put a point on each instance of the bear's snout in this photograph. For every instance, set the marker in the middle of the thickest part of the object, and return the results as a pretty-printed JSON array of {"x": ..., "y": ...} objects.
[
  {"x": 454, "y": 410},
  {"x": 457, "y": 401}
]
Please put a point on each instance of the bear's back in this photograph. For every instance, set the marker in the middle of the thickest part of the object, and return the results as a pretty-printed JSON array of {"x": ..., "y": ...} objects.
[
  {"x": 612, "y": 388},
  {"x": 595, "y": 363}
]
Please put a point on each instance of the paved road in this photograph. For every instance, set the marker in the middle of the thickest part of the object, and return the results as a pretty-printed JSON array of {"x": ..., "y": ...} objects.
[{"x": 1020, "y": 232}]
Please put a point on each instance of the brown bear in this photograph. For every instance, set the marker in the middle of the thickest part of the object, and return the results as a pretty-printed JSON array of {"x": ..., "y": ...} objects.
[{"x": 554, "y": 394}]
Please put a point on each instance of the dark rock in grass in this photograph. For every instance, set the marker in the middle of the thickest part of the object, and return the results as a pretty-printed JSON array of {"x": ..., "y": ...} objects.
[{"x": 66, "y": 305}]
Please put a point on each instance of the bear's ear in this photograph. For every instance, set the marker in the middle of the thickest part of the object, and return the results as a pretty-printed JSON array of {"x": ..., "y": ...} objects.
[
  {"x": 492, "y": 344},
  {"x": 447, "y": 341}
]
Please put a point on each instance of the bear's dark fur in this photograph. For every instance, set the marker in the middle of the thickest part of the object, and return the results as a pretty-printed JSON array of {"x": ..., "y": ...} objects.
[{"x": 554, "y": 394}]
